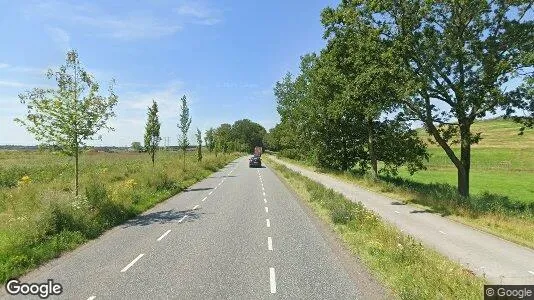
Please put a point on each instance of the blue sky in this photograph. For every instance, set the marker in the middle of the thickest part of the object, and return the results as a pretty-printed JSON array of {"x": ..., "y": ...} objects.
[{"x": 224, "y": 55}]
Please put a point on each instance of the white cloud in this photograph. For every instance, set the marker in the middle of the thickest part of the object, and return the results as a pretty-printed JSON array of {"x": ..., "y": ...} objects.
[
  {"x": 2, "y": 66},
  {"x": 14, "y": 84},
  {"x": 200, "y": 14},
  {"x": 127, "y": 26},
  {"x": 167, "y": 98},
  {"x": 60, "y": 37}
]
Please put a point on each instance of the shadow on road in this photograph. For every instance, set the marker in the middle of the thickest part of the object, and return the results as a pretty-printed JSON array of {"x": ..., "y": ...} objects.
[
  {"x": 198, "y": 189},
  {"x": 397, "y": 203},
  {"x": 163, "y": 217},
  {"x": 422, "y": 211}
]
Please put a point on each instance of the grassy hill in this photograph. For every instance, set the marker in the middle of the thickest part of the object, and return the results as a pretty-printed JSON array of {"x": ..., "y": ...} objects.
[{"x": 502, "y": 163}]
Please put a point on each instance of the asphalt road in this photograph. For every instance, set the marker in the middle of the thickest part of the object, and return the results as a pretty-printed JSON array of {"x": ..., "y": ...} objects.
[
  {"x": 500, "y": 261},
  {"x": 239, "y": 234}
]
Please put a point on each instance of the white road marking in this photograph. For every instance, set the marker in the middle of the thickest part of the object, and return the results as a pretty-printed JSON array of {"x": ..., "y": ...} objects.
[
  {"x": 204, "y": 199},
  {"x": 163, "y": 235},
  {"x": 263, "y": 194},
  {"x": 262, "y": 188},
  {"x": 531, "y": 272},
  {"x": 266, "y": 209},
  {"x": 268, "y": 223},
  {"x": 272, "y": 279},
  {"x": 91, "y": 298},
  {"x": 264, "y": 200},
  {"x": 397, "y": 212},
  {"x": 442, "y": 232},
  {"x": 132, "y": 263},
  {"x": 210, "y": 193},
  {"x": 195, "y": 207},
  {"x": 180, "y": 221},
  {"x": 270, "y": 243},
  {"x": 219, "y": 183}
]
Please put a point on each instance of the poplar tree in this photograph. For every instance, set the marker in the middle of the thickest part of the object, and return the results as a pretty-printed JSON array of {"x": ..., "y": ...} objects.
[
  {"x": 185, "y": 123},
  {"x": 152, "y": 135}
]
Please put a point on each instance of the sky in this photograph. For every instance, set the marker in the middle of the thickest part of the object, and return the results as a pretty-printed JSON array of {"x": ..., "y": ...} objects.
[{"x": 225, "y": 56}]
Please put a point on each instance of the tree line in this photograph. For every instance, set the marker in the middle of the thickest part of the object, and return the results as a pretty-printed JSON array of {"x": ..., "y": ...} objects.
[
  {"x": 66, "y": 117},
  {"x": 388, "y": 65}
]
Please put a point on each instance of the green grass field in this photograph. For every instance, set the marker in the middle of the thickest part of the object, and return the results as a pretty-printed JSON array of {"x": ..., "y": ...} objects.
[
  {"x": 502, "y": 183},
  {"x": 40, "y": 217},
  {"x": 502, "y": 163}
]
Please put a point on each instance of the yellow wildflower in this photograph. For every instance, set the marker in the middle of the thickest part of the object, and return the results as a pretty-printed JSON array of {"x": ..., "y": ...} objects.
[{"x": 24, "y": 180}]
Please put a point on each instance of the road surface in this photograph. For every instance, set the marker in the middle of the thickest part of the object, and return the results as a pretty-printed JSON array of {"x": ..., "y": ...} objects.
[
  {"x": 239, "y": 234},
  {"x": 500, "y": 261}
]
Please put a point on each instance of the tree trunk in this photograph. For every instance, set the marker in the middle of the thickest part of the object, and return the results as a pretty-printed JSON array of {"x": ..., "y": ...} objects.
[
  {"x": 465, "y": 158},
  {"x": 153, "y": 158},
  {"x": 76, "y": 183},
  {"x": 184, "y": 160},
  {"x": 370, "y": 147}
]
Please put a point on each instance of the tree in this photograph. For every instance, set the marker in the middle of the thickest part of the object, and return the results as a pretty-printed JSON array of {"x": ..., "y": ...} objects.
[
  {"x": 152, "y": 128},
  {"x": 210, "y": 139},
  {"x": 199, "y": 144},
  {"x": 136, "y": 146},
  {"x": 185, "y": 122},
  {"x": 333, "y": 113},
  {"x": 66, "y": 117},
  {"x": 223, "y": 137},
  {"x": 247, "y": 134},
  {"x": 456, "y": 60}
]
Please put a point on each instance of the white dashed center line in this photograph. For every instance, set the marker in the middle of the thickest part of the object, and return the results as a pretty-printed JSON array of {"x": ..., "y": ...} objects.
[
  {"x": 180, "y": 221},
  {"x": 266, "y": 209},
  {"x": 270, "y": 243},
  {"x": 398, "y": 212},
  {"x": 268, "y": 223},
  {"x": 531, "y": 272},
  {"x": 132, "y": 263},
  {"x": 195, "y": 207},
  {"x": 91, "y": 298},
  {"x": 442, "y": 232},
  {"x": 204, "y": 199},
  {"x": 264, "y": 200},
  {"x": 272, "y": 279},
  {"x": 263, "y": 194},
  {"x": 210, "y": 193},
  {"x": 163, "y": 235}
]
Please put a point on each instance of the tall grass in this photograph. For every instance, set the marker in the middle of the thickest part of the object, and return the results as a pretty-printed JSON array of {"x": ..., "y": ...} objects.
[
  {"x": 404, "y": 265},
  {"x": 40, "y": 217}
]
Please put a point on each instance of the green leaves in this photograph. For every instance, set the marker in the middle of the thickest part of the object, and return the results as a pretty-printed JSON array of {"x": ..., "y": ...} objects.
[
  {"x": 199, "y": 145},
  {"x": 73, "y": 113},
  {"x": 152, "y": 131},
  {"x": 185, "y": 122}
]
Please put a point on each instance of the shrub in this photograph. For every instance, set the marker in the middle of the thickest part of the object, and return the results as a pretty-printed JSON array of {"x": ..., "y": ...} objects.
[
  {"x": 96, "y": 194},
  {"x": 162, "y": 182}
]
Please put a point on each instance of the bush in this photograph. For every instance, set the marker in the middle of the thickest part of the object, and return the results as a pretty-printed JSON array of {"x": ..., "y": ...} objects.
[
  {"x": 341, "y": 213},
  {"x": 96, "y": 194},
  {"x": 162, "y": 182}
]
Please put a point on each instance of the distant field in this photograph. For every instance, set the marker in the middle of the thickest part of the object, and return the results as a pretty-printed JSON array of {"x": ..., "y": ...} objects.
[{"x": 502, "y": 163}]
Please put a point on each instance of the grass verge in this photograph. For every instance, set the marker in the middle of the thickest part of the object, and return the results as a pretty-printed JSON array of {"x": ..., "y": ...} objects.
[
  {"x": 40, "y": 218},
  {"x": 401, "y": 263}
]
